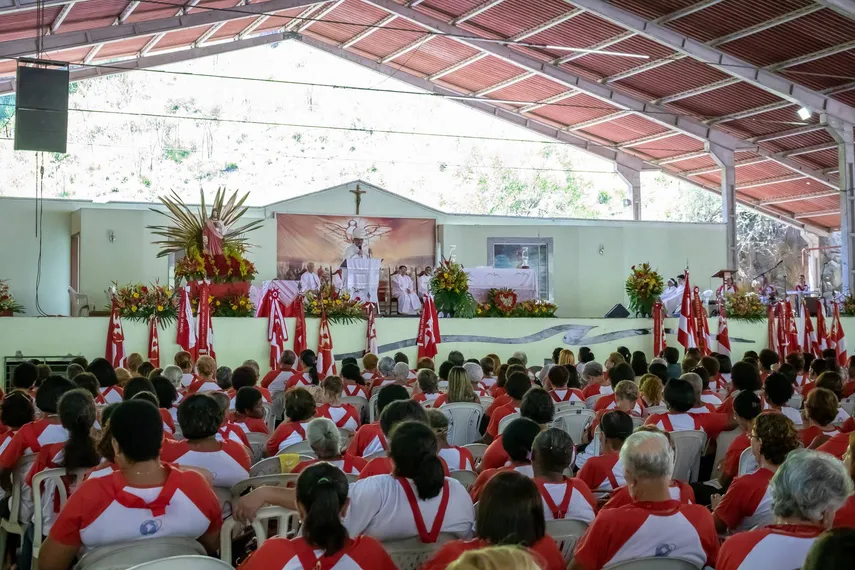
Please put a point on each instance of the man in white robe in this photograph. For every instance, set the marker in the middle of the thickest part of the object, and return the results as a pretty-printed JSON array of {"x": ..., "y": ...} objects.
[
  {"x": 404, "y": 291},
  {"x": 310, "y": 281},
  {"x": 424, "y": 282},
  {"x": 337, "y": 281}
]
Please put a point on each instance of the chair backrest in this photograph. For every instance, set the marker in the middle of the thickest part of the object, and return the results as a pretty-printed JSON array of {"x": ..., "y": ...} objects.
[
  {"x": 591, "y": 401},
  {"x": 725, "y": 438},
  {"x": 381, "y": 453},
  {"x": 128, "y": 554},
  {"x": 466, "y": 478},
  {"x": 562, "y": 406},
  {"x": 505, "y": 421},
  {"x": 688, "y": 447},
  {"x": 288, "y": 521},
  {"x": 280, "y": 480},
  {"x": 269, "y": 418},
  {"x": 185, "y": 563},
  {"x": 796, "y": 401},
  {"x": 463, "y": 421},
  {"x": 747, "y": 463},
  {"x": 574, "y": 421},
  {"x": 655, "y": 563},
  {"x": 487, "y": 401},
  {"x": 848, "y": 404},
  {"x": 358, "y": 402},
  {"x": 477, "y": 450},
  {"x": 45, "y": 483},
  {"x": 637, "y": 421},
  {"x": 273, "y": 465},
  {"x": 345, "y": 435},
  {"x": 412, "y": 553},
  {"x": 19, "y": 509},
  {"x": 372, "y": 407},
  {"x": 301, "y": 448},
  {"x": 257, "y": 443},
  {"x": 651, "y": 410},
  {"x": 566, "y": 532}
]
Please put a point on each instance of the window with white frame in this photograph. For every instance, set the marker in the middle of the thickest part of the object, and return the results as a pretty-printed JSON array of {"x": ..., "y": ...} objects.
[{"x": 524, "y": 253}]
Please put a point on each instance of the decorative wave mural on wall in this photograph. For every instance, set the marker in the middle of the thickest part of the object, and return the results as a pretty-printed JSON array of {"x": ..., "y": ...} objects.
[{"x": 573, "y": 335}]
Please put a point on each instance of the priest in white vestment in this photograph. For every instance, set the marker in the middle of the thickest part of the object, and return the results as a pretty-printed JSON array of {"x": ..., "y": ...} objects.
[
  {"x": 404, "y": 291},
  {"x": 337, "y": 280},
  {"x": 424, "y": 282},
  {"x": 310, "y": 281}
]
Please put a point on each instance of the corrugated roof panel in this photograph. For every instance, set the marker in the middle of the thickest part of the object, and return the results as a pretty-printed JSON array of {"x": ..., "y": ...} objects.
[
  {"x": 514, "y": 16},
  {"x": 798, "y": 141},
  {"x": 652, "y": 9},
  {"x": 731, "y": 16},
  {"x": 150, "y": 11},
  {"x": 280, "y": 19},
  {"x": 451, "y": 7},
  {"x": 581, "y": 31},
  {"x": 180, "y": 38},
  {"x": 847, "y": 97},
  {"x": 791, "y": 188},
  {"x": 675, "y": 77},
  {"x": 125, "y": 48},
  {"x": 23, "y": 24},
  {"x": 532, "y": 90},
  {"x": 832, "y": 222},
  {"x": 606, "y": 65},
  {"x": 833, "y": 65},
  {"x": 385, "y": 42},
  {"x": 760, "y": 171},
  {"x": 232, "y": 28},
  {"x": 678, "y": 144},
  {"x": 727, "y": 100},
  {"x": 766, "y": 123},
  {"x": 711, "y": 179},
  {"x": 482, "y": 73},
  {"x": 352, "y": 12},
  {"x": 438, "y": 54},
  {"x": 625, "y": 129},
  {"x": 584, "y": 108},
  {"x": 821, "y": 159},
  {"x": 689, "y": 163}
]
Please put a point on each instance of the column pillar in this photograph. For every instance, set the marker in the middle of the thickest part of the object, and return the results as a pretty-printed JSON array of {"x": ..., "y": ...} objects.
[
  {"x": 724, "y": 158},
  {"x": 632, "y": 177},
  {"x": 812, "y": 260},
  {"x": 842, "y": 133}
]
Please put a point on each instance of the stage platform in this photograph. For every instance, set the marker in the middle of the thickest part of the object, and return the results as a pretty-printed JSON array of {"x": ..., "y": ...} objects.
[{"x": 238, "y": 339}]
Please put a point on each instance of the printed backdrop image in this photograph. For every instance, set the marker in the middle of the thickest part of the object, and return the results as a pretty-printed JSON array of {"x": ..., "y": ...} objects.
[{"x": 322, "y": 240}]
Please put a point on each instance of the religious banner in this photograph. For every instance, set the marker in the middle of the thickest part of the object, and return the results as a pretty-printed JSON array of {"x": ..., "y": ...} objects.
[
  {"x": 687, "y": 335},
  {"x": 327, "y": 241},
  {"x": 821, "y": 329},
  {"x": 428, "y": 334},
  {"x": 277, "y": 331},
  {"x": 299, "y": 313},
  {"x": 153, "y": 343},
  {"x": 659, "y": 342},
  {"x": 723, "y": 337},
  {"x": 326, "y": 363},
  {"x": 186, "y": 330},
  {"x": 371, "y": 332},
  {"x": 115, "y": 351},
  {"x": 204, "y": 325},
  {"x": 809, "y": 342},
  {"x": 839, "y": 338},
  {"x": 793, "y": 344}
]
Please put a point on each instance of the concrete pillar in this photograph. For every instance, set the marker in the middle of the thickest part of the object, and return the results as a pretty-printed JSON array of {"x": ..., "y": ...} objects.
[
  {"x": 632, "y": 177},
  {"x": 843, "y": 135},
  {"x": 812, "y": 269},
  {"x": 724, "y": 158}
]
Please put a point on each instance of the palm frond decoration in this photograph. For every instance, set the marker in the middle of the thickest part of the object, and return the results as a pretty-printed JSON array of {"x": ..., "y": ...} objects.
[{"x": 184, "y": 231}]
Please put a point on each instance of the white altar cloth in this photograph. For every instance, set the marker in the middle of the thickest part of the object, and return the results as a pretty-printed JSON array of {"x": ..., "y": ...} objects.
[{"x": 522, "y": 281}]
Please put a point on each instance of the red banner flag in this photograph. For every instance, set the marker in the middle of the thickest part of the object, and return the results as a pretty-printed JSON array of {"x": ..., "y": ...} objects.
[
  {"x": 723, "y": 338},
  {"x": 658, "y": 328},
  {"x": 271, "y": 306},
  {"x": 687, "y": 335},
  {"x": 808, "y": 334},
  {"x": 186, "y": 337},
  {"x": 428, "y": 336},
  {"x": 782, "y": 344},
  {"x": 771, "y": 341},
  {"x": 839, "y": 338},
  {"x": 326, "y": 363},
  {"x": 702, "y": 329},
  {"x": 821, "y": 330},
  {"x": 792, "y": 329},
  {"x": 153, "y": 343},
  {"x": 299, "y": 313},
  {"x": 204, "y": 324},
  {"x": 115, "y": 351},
  {"x": 371, "y": 331}
]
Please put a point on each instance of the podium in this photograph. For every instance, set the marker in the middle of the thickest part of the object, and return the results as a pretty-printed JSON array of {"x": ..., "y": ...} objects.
[{"x": 363, "y": 278}]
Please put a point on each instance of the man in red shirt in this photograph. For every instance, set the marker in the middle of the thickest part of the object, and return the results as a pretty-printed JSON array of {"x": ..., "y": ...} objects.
[{"x": 596, "y": 382}]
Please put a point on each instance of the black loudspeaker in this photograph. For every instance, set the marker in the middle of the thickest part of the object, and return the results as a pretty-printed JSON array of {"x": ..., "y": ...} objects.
[
  {"x": 617, "y": 312},
  {"x": 41, "y": 109},
  {"x": 812, "y": 305}
]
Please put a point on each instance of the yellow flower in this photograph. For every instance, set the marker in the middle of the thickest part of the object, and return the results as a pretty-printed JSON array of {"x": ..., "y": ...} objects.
[
  {"x": 136, "y": 295},
  {"x": 133, "y": 308},
  {"x": 160, "y": 307},
  {"x": 242, "y": 302},
  {"x": 234, "y": 307},
  {"x": 210, "y": 298},
  {"x": 218, "y": 303},
  {"x": 338, "y": 301}
]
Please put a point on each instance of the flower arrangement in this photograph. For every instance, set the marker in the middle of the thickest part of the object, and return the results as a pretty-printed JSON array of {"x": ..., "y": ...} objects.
[
  {"x": 537, "y": 308},
  {"x": 8, "y": 304},
  {"x": 643, "y": 287},
  {"x": 450, "y": 287},
  {"x": 227, "y": 306},
  {"x": 230, "y": 267},
  {"x": 745, "y": 307},
  {"x": 503, "y": 303},
  {"x": 141, "y": 302},
  {"x": 849, "y": 305},
  {"x": 340, "y": 307}
]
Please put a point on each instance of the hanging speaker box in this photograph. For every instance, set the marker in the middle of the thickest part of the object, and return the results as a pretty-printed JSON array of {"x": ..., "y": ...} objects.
[{"x": 41, "y": 109}]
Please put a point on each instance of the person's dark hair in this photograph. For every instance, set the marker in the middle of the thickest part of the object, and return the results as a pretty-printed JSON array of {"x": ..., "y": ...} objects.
[
  {"x": 518, "y": 438},
  {"x": 510, "y": 511},
  {"x": 310, "y": 363},
  {"x": 413, "y": 449},
  {"x": 502, "y": 375},
  {"x": 537, "y": 405},
  {"x": 724, "y": 364},
  {"x": 487, "y": 366},
  {"x": 679, "y": 395},
  {"x": 517, "y": 385},
  {"x": 24, "y": 376},
  {"x": 821, "y": 406},
  {"x": 704, "y": 375},
  {"x": 619, "y": 372},
  {"x": 831, "y": 365},
  {"x": 165, "y": 392},
  {"x": 832, "y": 550},
  {"x": 618, "y": 425},
  {"x": 401, "y": 411},
  {"x": 199, "y": 416},
  {"x": 768, "y": 358},
  {"x": 246, "y": 399},
  {"x": 515, "y": 361},
  {"x": 148, "y": 397},
  {"x": 750, "y": 354},
  {"x": 573, "y": 381},
  {"x": 747, "y": 405},
  {"x": 778, "y": 437},
  {"x": 348, "y": 360},
  {"x": 77, "y": 414},
  {"x": 145, "y": 369},
  {"x": 455, "y": 357},
  {"x": 809, "y": 358},
  {"x": 671, "y": 355},
  {"x": 243, "y": 376},
  {"x": 745, "y": 376},
  {"x": 778, "y": 389},
  {"x": 585, "y": 355},
  {"x": 556, "y": 353},
  {"x": 322, "y": 491},
  {"x": 444, "y": 369},
  {"x": 44, "y": 371},
  {"x": 103, "y": 371},
  {"x": 553, "y": 450},
  {"x": 17, "y": 409},
  {"x": 558, "y": 376},
  {"x": 639, "y": 363},
  {"x": 829, "y": 353},
  {"x": 353, "y": 373},
  {"x": 831, "y": 381},
  {"x": 299, "y": 405},
  {"x": 796, "y": 360},
  {"x": 88, "y": 382},
  {"x": 49, "y": 393},
  {"x": 660, "y": 371},
  {"x": 624, "y": 351},
  {"x": 711, "y": 365},
  {"x": 135, "y": 386},
  {"x": 390, "y": 393},
  {"x": 818, "y": 366},
  {"x": 105, "y": 441},
  {"x": 80, "y": 360},
  {"x": 401, "y": 357},
  {"x": 138, "y": 429},
  {"x": 789, "y": 371}
]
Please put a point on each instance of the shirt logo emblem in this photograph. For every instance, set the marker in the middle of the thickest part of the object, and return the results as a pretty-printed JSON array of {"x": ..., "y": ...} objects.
[
  {"x": 151, "y": 527},
  {"x": 663, "y": 550}
]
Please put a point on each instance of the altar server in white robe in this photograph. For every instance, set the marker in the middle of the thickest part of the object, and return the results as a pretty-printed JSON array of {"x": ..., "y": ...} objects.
[
  {"x": 424, "y": 282},
  {"x": 404, "y": 291},
  {"x": 338, "y": 281},
  {"x": 310, "y": 281}
]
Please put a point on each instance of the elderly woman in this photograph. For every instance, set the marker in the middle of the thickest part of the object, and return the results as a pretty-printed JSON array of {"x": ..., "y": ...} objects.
[
  {"x": 475, "y": 374},
  {"x": 807, "y": 490},
  {"x": 325, "y": 440},
  {"x": 386, "y": 374},
  {"x": 652, "y": 390}
]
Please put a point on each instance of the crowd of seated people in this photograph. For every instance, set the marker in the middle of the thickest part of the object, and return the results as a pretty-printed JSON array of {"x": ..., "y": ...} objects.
[{"x": 153, "y": 453}]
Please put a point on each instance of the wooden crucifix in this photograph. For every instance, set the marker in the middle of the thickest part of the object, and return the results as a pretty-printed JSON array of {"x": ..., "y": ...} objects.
[{"x": 358, "y": 193}]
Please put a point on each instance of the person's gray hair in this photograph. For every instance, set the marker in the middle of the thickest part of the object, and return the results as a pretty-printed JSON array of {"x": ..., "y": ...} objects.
[
  {"x": 474, "y": 372},
  {"x": 224, "y": 377},
  {"x": 647, "y": 455},
  {"x": 695, "y": 381},
  {"x": 174, "y": 374},
  {"x": 658, "y": 360},
  {"x": 386, "y": 366},
  {"x": 401, "y": 371},
  {"x": 522, "y": 356},
  {"x": 253, "y": 364},
  {"x": 323, "y": 437},
  {"x": 592, "y": 370},
  {"x": 808, "y": 484}
]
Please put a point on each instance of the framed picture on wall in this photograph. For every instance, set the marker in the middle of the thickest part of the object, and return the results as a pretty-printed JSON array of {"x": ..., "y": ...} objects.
[{"x": 524, "y": 253}]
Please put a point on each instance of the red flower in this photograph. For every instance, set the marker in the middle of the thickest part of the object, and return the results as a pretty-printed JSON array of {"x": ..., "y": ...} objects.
[{"x": 234, "y": 264}]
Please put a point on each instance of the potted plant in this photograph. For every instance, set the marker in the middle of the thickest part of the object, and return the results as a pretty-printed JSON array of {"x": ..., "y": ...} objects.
[{"x": 8, "y": 305}]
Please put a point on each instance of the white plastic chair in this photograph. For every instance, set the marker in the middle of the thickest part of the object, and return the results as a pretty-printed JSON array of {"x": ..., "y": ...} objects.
[
  {"x": 563, "y": 406},
  {"x": 185, "y": 563},
  {"x": 300, "y": 448},
  {"x": 574, "y": 421},
  {"x": 51, "y": 480},
  {"x": 747, "y": 463},
  {"x": 358, "y": 402},
  {"x": 463, "y": 421},
  {"x": 129, "y": 554},
  {"x": 269, "y": 418},
  {"x": 412, "y": 553},
  {"x": 287, "y": 520},
  {"x": 466, "y": 478},
  {"x": 567, "y": 533},
  {"x": 257, "y": 443},
  {"x": 656, "y": 563},
  {"x": 505, "y": 421},
  {"x": 725, "y": 438},
  {"x": 79, "y": 303},
  {"x": 849, "y": 405},
  {"x": 272, "y": 466},
  {"x": 477, "y": 450},
  {"x": 486, "y": 402},
  {"x": 13, "y": 523},
  {"x": 652, "y": 410},
  {"x": 591, "y": 401},
  {"x": 796, "y": 402},
  {"x": 372, "y": 407},
  {"x": 377, "y": 455},
  {"x": 688, "y": 447}
]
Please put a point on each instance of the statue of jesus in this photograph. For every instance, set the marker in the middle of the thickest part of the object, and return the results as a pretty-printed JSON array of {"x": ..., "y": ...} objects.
[{"x": 212, "y": 237}]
